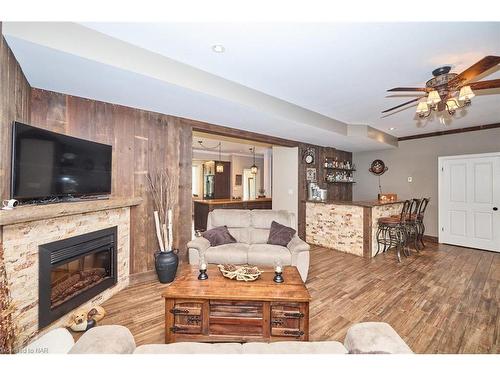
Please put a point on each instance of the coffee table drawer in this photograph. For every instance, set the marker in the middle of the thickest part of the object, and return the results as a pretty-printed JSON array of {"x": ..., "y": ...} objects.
[
  {"x": 236, "y": 318},
  {"x": 289, "y": 320},
  {"x": 188, "y": 317},
  {"x": 241, "y": 309}
]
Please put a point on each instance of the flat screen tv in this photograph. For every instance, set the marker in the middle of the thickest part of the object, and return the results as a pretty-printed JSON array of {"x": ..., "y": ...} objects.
[{"x": 50, "y": 165}]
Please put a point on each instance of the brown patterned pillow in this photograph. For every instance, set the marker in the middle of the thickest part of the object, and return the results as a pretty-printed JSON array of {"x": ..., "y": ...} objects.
[
  {"x": 280, "y": 234},
  {"x": 218, "y": 236}
]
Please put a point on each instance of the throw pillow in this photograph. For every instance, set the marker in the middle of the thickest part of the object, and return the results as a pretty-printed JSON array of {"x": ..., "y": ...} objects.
[
  {"x": 280, "y": 234},
  {"x": 218, "y": 236}
]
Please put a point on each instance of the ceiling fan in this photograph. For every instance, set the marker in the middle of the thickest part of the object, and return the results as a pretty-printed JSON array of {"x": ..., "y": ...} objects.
[{"x": 450, "y": 91}]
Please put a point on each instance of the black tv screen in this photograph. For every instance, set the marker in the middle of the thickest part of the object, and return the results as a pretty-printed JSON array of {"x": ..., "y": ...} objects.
[{"x": 47, "y": 165}]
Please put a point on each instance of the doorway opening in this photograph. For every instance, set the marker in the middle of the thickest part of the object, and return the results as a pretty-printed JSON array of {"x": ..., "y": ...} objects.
[{"x": 227, "y": 173}]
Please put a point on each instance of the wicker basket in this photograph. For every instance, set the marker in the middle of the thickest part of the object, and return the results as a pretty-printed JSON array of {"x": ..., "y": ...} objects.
[{"x": 240, "y": 273}]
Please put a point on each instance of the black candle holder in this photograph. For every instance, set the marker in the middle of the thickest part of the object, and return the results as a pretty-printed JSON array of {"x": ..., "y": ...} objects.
[
  {"x": 203, "y": 275},
  {"x": 277, "y": 277}
]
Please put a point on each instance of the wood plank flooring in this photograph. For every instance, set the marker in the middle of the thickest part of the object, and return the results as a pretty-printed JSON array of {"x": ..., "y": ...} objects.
[{"x": 443, "y": 300}]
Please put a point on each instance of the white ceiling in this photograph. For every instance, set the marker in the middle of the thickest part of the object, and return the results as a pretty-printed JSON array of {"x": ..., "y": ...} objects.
[
  {"x": 228, "y": 146},
  {"x": 335, "y": 74}
]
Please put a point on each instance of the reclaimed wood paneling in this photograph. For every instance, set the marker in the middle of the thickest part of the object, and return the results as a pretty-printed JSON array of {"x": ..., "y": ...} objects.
[
  {"x": 14, "y": 105},
  {"x": 142, "y": 142},
  {"x": 335, "y": 191}
]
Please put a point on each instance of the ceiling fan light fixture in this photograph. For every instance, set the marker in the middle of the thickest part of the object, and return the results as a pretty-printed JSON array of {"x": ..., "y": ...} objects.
[
  {"x": 423, "y": 109},
  {"x": 466, "y": 94},
  {"x": 452, "y": 106},
  {"x": 433, "y": 98}
]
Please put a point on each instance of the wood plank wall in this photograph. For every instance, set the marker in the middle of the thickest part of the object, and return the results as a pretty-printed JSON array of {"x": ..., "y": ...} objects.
[
  {"x": 335, "y": 191},
  {"x": 14, "y": 105},
  {"x": 142, "y": 142}
]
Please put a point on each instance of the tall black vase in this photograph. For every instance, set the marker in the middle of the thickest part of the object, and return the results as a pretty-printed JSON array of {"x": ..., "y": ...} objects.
[{"x": 166, "y": 263}]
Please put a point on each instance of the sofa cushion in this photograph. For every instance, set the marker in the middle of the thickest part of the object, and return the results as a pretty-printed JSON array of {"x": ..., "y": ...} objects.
[
  {"x": 232, "y": 253},
  {"x": 190, "y": 348},
  {"x": 280, "y": 234},
  {"x": 237, "y": 221},
  {"x": 57, "y": 341},
  {"x": 371, "y": 337},
  {"x": 291, "y": 347},
  {"x": 110, "y": 339},
  {"x": 266, "y": 255},
  {"x": 240, "y": 234},
  {"x": 230, "y": 218},
  {"x": 218, "y": 236},
  {"x": 263, "y": 218},
  {"x": 258, "y": 235}
]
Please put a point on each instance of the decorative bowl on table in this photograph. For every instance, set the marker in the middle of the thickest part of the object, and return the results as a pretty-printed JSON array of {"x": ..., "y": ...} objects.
[{"x": 240, "y": 273}]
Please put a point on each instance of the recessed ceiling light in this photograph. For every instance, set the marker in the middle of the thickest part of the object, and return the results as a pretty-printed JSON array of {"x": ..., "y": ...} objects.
[
  {"x": 392, "y": 128},
  {"x": 218, "y": 48}
]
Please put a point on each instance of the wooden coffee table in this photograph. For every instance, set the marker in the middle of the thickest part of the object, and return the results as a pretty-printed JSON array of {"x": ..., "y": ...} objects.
[{"x": 220, "y": 309}]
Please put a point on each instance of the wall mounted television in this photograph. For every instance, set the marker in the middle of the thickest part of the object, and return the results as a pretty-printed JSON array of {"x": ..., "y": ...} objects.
[{"x": 48, "y": 165}]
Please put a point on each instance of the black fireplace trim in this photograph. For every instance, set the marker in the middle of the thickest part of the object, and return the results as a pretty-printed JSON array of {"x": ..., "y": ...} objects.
[{"x": 51, "y": 255}]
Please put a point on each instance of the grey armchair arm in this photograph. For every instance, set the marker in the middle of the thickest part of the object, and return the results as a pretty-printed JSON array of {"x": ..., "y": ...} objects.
[{"x": 296, "y": 245}]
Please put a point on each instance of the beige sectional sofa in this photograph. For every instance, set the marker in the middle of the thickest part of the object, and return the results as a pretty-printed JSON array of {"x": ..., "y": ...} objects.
[
  {"x": 361, "y": 338},
  {"x": 250, "y": 228}
]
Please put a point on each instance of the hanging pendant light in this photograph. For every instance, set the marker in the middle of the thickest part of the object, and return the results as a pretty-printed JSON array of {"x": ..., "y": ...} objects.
[
  {"x": 254, "y": 168},
  {"x": 219, "y": 167}
]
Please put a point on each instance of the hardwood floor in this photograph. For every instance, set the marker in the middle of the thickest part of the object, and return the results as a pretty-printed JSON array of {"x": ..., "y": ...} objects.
[{"x": 443, "y": 300}]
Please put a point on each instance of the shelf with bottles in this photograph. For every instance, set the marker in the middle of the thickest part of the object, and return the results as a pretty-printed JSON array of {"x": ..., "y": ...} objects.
[
  {"x": 338, "y": 165},
  {"x": 339, "y": 176},
  {"x": 340, "y": 182}
]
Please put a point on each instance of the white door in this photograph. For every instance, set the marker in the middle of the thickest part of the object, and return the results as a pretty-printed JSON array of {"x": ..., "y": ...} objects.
[
  {"x": 469, "y": 201},
  {"x": 286, "y": 179}
]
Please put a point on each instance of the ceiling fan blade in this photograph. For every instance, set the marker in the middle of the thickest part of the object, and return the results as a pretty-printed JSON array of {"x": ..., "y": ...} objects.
[
  {"x": 482, "y": 85},
  {"x": 408, "y": 89},
  {"x": 478, "y": 68},
  {"x": 402, "y": 105}
]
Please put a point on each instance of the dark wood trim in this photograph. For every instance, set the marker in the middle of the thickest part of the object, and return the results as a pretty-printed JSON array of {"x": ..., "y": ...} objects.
[
  {"x": 447, "y": 132},
  {"x": 432, "y": 239},
  {"x": 225, "y": 131},
  {"x": 367, "y": 232}
]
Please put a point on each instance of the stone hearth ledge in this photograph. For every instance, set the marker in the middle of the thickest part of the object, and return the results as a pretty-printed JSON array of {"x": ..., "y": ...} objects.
[
  {"x": 31, "y": 226},
  {"x": 27, "y": 213}
]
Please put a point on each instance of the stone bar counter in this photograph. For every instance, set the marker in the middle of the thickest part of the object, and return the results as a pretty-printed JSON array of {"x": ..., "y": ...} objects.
[{"x": 347, "y": 226}]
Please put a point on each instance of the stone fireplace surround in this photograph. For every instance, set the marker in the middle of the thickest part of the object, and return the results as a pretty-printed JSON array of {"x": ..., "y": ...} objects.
[{"x": 21, "y": 232}]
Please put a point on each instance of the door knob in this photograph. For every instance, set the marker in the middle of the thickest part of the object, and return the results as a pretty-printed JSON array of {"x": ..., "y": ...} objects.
[{"x": 495, "y": 208}]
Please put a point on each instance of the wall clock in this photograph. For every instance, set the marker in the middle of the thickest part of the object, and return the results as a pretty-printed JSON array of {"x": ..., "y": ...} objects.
[
  {"x": 308, "y": 156},
  {"x": 378, "y": 167}
]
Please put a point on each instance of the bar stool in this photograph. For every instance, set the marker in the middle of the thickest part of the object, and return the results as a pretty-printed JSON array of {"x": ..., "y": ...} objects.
[
  {"x": 420, "y": 220},
  {"x": 411, "y": 222},
  {"x": 392, "y": 231}
]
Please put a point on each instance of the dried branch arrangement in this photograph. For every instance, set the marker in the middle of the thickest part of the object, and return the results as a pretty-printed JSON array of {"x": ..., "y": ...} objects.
[
  {"x": 7, "y": 324},
  {"x": 240, "y": 273},
  {"x": 164, "y": 191}
]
